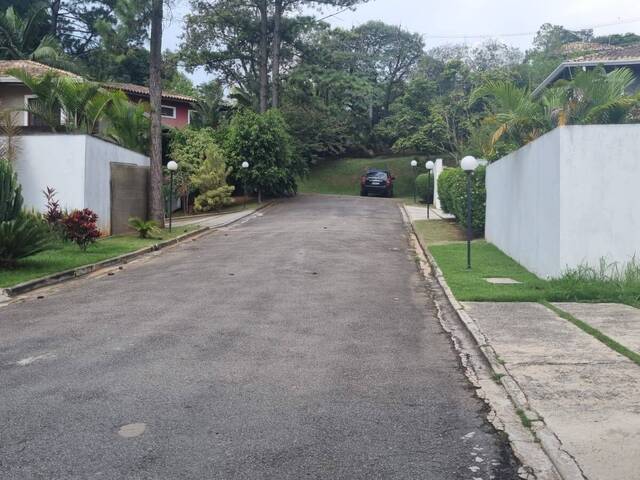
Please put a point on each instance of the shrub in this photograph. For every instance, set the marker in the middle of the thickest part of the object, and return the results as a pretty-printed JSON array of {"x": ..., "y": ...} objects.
[
  {"x": 22, "y": 237},
  {"x": 263, "y": 140},
  {"x": 54, "y": 215},
  {"x": 445, "y": 181},
  {"x": 211, "y": 181},
  {"x": 452, "y": 188},
  {"x": 145, "y": 228},
  {"x": 10, "y": 193},
  {"x": 424, "y": 187},
  {"x": 21, "y": 234},
  {"x": 80, "y": 227}
]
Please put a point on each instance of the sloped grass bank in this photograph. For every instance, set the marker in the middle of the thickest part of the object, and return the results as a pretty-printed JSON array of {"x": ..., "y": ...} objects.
[{"x": 342, "y": 177}]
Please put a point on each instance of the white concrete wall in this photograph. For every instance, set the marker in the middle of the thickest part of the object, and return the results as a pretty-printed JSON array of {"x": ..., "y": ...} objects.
[
  {"x": 77, "y": 166},
  {"x": 97, "y": 181},
  {"x": 50, "y": 160},
  {"x": 567, "y": 199}
]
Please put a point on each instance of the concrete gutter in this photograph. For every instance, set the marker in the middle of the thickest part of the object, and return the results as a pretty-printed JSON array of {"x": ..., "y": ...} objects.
[
  {"x": 564, "y": 463},
  {"x": 60, "y": 277}
]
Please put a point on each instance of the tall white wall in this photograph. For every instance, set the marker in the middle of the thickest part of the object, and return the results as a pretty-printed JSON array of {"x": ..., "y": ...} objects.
[
  {"x": 567, "y": 199},
  {"x": 77, "y": 166},
  {"x": 51, "y": 160}
]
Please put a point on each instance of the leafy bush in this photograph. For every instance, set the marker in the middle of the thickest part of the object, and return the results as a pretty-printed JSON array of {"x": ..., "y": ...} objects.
[
  {"x": 452, "y": 188},
  {"x": 263, "y": 140},
  {"x": 445, "y": 181},
  {"x": 211, "y": 181},
  {"x": 54, "y": 214},
  {"x": 80, "y": 227},
  {"x": 145, "y": 228},
  {"x": 22, "y": 237},
  {"x": 21, "y": 234},
  {"x": 424, "y": 187}
]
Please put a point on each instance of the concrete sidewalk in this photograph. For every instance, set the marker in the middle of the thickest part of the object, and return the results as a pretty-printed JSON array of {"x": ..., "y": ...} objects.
[
  {"x": 416, "y": 212},
  {"x": 585, "y": 392}
]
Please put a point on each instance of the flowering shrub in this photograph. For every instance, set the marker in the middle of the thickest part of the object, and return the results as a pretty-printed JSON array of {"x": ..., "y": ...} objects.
[{"x": 80, "y": 227}]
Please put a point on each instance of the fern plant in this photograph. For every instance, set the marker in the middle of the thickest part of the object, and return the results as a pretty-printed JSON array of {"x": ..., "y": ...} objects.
[{"x": 145, "y": 228}]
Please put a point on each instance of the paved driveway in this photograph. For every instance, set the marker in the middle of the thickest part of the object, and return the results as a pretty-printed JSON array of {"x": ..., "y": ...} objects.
[{"x": 299, "y": 344}]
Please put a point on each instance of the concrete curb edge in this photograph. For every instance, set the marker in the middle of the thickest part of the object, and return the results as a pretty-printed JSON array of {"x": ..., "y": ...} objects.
[{"x": 564, "y": 463}]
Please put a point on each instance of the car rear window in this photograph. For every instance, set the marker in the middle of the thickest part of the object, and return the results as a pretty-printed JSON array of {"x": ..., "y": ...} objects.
[{"x": 377, "y": 175}]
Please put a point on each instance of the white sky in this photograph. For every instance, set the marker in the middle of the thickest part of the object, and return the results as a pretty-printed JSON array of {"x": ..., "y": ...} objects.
[{"x": 497, "y": 18}]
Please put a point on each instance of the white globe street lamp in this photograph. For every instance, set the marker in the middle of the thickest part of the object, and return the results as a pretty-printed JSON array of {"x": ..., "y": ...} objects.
[
  {"x": 414, "y": 164},
  {"x": 429, "y": 166},
  {"x": 172, "y": 167},
  {"x": 469, "y": 164},
  {"x": 245, "y": 166}
]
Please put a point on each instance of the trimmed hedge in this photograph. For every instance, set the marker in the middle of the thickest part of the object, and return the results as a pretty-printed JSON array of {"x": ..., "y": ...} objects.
[
  {"x": 452, "y": 189},
  {"x": 424, "y": 187}
]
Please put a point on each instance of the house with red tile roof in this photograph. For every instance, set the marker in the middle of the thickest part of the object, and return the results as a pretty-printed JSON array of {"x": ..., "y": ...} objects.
[{"x": 177, "y": 110}]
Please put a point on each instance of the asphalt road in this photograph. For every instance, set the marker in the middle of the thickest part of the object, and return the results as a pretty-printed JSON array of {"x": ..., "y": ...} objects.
[{"x": 300, "y": 344}]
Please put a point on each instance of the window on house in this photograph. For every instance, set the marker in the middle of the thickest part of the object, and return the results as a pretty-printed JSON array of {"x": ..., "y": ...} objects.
[
  {"x": 168, "y": 112},
  {"x": 33, "y": 119}
]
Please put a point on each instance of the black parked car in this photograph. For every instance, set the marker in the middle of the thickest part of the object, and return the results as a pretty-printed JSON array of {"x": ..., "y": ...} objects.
[{"x": 379, "y": 182}]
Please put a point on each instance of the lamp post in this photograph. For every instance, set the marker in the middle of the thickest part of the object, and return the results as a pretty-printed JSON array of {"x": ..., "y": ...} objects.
[
  {"x": 414, "y": 164},
  {"x": 172, "y": 167},
  {"x": 469, "y": 164},
  {"x": 429, "y": 166},
  {"x": 245, "y": 166}
]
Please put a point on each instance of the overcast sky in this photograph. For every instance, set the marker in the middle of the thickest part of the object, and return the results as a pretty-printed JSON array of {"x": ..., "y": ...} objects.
[{"x": 512, "y": 21}]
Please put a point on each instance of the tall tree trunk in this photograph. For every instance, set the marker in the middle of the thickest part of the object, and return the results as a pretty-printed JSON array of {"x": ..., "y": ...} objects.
[
  {"x": 275, "y": 55},
  {"x": 156, "y": 210},
  {"x": 55, "y": 14},
  {"x": 264, "y": 55}
]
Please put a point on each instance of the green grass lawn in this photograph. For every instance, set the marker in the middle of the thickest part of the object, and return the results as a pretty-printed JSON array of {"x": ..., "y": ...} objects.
[
  {"x": 434, "y": 232},
  {"x": 342, "y": 177},
  {"x": 488, "y": 261},
  {"x": 65, "y": 256}
]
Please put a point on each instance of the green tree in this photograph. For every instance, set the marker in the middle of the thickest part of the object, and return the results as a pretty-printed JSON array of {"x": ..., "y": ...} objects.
[
  {"x": 21, "y": 37},
  {"x": 210, "y": 179},
  {"x": 263, "y": 141},
  {"x": 156, "y": 210}
]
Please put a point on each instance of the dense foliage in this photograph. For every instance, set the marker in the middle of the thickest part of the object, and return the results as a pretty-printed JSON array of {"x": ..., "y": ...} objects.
[
  {"x": 424, "y": 187},
  {"x": 452, "y": 188},
  {"x": 22, "y": 234},
  {"x": 263, "y": 141},
  {"x": 80, "y": 227},
  {"x": 210, "y": 179}
]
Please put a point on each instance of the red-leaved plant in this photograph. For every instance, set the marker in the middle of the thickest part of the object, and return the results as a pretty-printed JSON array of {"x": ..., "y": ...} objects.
[
  {"x": 80, "y": 227},
  {"x": 54, "y": 214}
]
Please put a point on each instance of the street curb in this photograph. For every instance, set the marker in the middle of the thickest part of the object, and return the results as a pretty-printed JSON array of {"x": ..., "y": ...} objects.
[
  {"x": 67, "y": 275},
  {"x": 564, "y": 463}
]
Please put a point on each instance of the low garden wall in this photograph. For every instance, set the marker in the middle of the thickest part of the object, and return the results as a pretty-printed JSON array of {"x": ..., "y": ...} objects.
[
  {"x": 77, "y": 166},
  {"x": 567, "y": 199}
]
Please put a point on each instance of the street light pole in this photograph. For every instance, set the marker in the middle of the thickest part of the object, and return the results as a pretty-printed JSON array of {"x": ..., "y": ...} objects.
[
  {"x": 245, "y": 165},
  {"x": 414, "y": 164},
  {"x": 469, "y": 164},
  {"x": 429, "y": 166},
  {"x": 172, "y": 167}
]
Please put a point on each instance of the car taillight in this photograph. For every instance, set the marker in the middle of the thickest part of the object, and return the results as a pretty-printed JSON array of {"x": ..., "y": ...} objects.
[
  {"x": 363, "y": 180},
  {"x": 388, "y": 181}
]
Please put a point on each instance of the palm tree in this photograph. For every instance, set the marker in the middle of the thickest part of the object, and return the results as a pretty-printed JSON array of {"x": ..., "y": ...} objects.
[
  {"x": 513, "y": 110},
  {"x": 20, "y": 37},
  {"x": 127, "y": 124},
  {"x": 46, "y": 106}
]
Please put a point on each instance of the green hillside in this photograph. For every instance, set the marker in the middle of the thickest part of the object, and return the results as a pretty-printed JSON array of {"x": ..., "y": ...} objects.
[{"x": 342, "y": 177}]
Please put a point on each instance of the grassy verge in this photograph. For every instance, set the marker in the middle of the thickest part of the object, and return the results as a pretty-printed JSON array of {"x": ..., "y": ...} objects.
[
  {"x": 488, "y": 261},
  {"x": 433, "y": 232},
  {"x": 342, "y": 177},
  {"x": 65, "y": 256}
]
